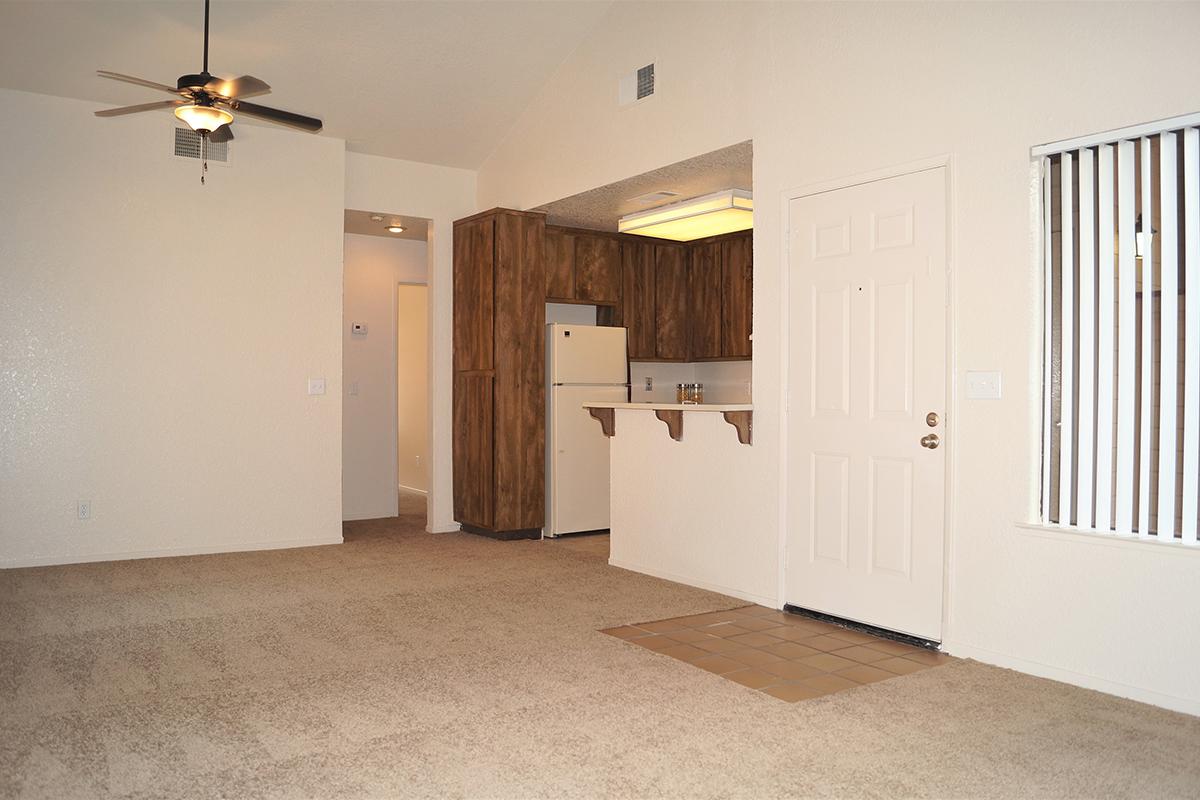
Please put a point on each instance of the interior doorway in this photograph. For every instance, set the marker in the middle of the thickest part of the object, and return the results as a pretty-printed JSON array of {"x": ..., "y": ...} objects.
[
  {"x": 385, "y": 355},
  {"x": 867, "y": 381}
]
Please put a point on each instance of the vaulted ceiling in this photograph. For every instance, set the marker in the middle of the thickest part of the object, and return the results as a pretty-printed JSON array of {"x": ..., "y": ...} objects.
[{"x": 439, "y": 82}]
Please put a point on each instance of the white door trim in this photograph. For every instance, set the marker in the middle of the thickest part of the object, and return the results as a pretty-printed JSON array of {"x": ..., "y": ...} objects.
[{"x": 820, "y": 187}]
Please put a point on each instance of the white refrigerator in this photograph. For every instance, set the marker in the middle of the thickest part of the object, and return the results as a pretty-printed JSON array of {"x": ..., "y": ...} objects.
[{"x": 583, "y": 363}]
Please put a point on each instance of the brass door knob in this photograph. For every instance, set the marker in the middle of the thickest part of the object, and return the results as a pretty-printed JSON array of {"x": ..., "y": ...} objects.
[{"x": 931, "y": 441}]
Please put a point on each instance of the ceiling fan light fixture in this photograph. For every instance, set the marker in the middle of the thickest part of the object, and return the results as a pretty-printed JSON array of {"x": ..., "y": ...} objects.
[{"x": 203, "y": 118}]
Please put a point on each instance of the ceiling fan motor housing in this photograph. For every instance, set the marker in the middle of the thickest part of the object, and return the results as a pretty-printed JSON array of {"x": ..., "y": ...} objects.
[{"x": 193, "y": 83}]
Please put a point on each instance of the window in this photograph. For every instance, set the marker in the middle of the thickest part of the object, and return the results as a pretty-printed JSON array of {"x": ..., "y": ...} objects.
[{"x": 1121, "y": 404}]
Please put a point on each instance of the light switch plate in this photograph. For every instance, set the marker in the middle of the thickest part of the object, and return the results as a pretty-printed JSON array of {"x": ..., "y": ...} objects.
[
  {"x": 983, "y": 385},
  {"x": 316, "y": 386}
]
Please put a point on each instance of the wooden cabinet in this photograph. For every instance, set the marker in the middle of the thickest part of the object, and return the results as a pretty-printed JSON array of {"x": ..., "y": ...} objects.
[
  {"x": 637, "y": 299},
  {"x": 705, "y": 312},
  {"x": 560, "y": 264},
  {"x": 687, "y": 302},
  {"x": 737, "y": 295},
  {"x": 582, "y": 267},
  {"x": 670, "y": 303},
  {"x": 499, "y": 369},
  {"x": 597, "y": 269}
]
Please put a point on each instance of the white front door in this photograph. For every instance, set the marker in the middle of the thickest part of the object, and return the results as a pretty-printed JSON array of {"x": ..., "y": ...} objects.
[{"x": 867, "y": 267}]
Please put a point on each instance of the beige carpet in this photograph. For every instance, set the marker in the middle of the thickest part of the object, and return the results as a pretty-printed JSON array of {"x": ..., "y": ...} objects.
[{"x": 408, "y": 665}]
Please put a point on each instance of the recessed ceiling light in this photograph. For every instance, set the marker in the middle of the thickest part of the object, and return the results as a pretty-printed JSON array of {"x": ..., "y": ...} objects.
[
  {"x": 395, "y": 229},
  {"x": 376, "y": 218}
]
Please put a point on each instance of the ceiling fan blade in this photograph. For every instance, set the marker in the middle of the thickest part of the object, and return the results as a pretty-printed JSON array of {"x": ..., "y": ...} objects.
[
  {"x": 300, "y": 121},
  {"x": 221, "y": 134},
  {"x": 245, "y": 86},
  {"x": 117, "y": 112},
  {"x": 116, "y": 76}
]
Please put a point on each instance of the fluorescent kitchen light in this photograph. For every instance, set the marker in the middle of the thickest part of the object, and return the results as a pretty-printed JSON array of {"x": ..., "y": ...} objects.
[{"x": 713, "y": 214}]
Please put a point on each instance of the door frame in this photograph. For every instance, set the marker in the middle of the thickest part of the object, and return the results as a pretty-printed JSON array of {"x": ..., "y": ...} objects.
[{"x": 945, "y": 161}]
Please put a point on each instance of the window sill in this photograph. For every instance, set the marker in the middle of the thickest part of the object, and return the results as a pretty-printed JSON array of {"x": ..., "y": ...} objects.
[{"x": 1106, "y": 539}]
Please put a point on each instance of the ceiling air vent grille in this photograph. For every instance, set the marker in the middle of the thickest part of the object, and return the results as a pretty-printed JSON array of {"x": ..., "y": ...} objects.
[
  {"x": 187, "y": 145},
  {"x": 636, "y": 85},
  {"x": 645, "y": 81}
]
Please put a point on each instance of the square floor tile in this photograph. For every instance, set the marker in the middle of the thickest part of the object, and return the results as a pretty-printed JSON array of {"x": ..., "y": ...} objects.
[
  {"x": 752, "y": 656},
  {"x": 827, "y": 662},
  {"x": 791, "y": 670},
  {"x": 824, "y": 643},
  {"x": 625, "y": 632},
  {"x": 685, "y": 652},
  {"x": 791, "y": 650},
  {"x": 900, "y": 666},
  {"x": 754, "y": 678},
  {"x": 864, "y": 655},
  {"x": 755, "y": 640},
  {"x": 718, "y": 664},
  {"x": 865, "y": 673}
]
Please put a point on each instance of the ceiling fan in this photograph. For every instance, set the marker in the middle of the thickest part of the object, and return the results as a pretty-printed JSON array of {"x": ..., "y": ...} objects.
[{"x": 208, "y": 104}]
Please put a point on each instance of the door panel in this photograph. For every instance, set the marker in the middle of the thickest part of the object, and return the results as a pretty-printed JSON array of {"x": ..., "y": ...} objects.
[
  {"x": 705, "y": 318},
  {"x": 637, "y": 298},
  {"x": 579, "y": 464},
  {"x": 866, "y": 501},
  {"x": 670, "y": 303},
  {"x": 737, "y": 296},
  {"x": 474, "y": 491},
  {"x": 473, "y": 295},
  {"x": 597, "y": 269},
  {"x": 560, "y": 265}
]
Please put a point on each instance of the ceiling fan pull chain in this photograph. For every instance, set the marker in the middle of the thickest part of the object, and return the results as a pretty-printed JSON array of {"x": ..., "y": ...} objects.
[{"x": 203, "y": 156}]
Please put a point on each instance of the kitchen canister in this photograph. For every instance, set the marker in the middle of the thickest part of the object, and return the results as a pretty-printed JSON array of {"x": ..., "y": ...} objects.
[{"x": 689, "y": 393}]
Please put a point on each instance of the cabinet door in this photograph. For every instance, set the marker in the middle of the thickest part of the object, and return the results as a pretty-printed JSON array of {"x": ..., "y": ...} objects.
[
  {"x": 705, "y": 313},
  {"x": 560, "y": 265},
  {"x": 474, "y": 496},
  {"x": 597, "y": 269},
  {"x": 637, "y": 298},
  {"x": 737, "y": 290},
  {"x": 473, "y": 294},
  {"x": 670, "y": 303}
]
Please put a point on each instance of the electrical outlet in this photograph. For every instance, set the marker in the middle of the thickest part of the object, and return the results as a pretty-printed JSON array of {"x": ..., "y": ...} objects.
[
  {"x": 316, "y": 386},
  {"x": 84, "y": 509},
  {"x": 649, "y": 384}
]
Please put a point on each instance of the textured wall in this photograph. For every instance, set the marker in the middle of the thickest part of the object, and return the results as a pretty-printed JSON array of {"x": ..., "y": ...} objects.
[
  {"x": 830, "y": 90},
  {"x": 156, "y": 338}
]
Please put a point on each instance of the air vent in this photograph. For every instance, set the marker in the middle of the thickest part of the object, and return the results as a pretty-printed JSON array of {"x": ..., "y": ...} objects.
[
  {"x": 653, "y": 198},
  {"x": 187, "y": 145},
  {"x": 645, "y": 81},
  {"x": 636, "y": 85}
]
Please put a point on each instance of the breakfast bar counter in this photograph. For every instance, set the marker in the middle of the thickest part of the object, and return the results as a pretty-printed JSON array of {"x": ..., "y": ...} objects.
[{"x": 739, "y": 415}]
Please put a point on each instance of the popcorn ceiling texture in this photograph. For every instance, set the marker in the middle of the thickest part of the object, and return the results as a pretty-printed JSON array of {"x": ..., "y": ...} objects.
[{"x": 406, "y": 664}]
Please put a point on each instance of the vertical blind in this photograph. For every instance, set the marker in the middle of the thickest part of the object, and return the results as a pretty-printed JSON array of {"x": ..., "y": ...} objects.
[{"x": 1121, "y": 250}]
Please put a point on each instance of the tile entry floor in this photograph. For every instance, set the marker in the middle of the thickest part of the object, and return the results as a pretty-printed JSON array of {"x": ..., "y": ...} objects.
[{"x": 784, "y": 655}]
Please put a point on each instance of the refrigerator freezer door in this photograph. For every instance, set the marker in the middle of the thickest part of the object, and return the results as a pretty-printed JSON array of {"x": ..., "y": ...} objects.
[
  {"x": 578, "y": 470},
  {"x": 586, "y": 354}
]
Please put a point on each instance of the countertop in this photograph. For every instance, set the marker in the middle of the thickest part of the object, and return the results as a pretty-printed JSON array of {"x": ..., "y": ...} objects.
[{"x": 675, "y": 406}]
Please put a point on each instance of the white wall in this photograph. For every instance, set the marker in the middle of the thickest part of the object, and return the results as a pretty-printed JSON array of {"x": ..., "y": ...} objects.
[
  {"x": 156, "y": 338},
  {"x": 373, "y": 267},
  {"x": 412, "y": 390},
  {"x": 442, "y": 195},
  {"x": 724, "y": 381},
  {"x": 833, "y": 90}
]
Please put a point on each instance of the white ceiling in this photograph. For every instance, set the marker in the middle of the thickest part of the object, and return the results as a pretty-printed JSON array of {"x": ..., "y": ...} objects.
[{"x": 438, "y": 82}]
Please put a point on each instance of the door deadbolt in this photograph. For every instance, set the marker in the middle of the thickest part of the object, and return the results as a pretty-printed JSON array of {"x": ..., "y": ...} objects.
[
  {"x": 931, "y": 441},
  {"x": 931, "y": 419}
]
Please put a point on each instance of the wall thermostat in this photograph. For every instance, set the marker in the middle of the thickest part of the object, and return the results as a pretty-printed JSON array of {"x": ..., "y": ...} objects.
[{"x": 358, "y": 328}]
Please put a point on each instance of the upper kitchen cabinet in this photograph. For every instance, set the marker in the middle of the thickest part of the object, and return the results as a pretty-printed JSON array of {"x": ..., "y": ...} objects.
[
  {"x": 737, "y": 295},
  {"x": 637, "y": 299},
  {"x": 597, "y": 269},
  {"x": 671, "y": 303},
  {"x": 582, "y": 267},
  {"x": 705, "y": 318},
  {"x": 499, "y": 368}
]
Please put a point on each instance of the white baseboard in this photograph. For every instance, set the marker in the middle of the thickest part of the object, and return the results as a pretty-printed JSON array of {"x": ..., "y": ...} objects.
[
  {"x": 443, "y": 527},
  {"x": 411, "y": 489},
  {"x": 751, "y": 597},
  {"x": 166, "y": 552},
  {"x": 1187, "y": 705}
]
